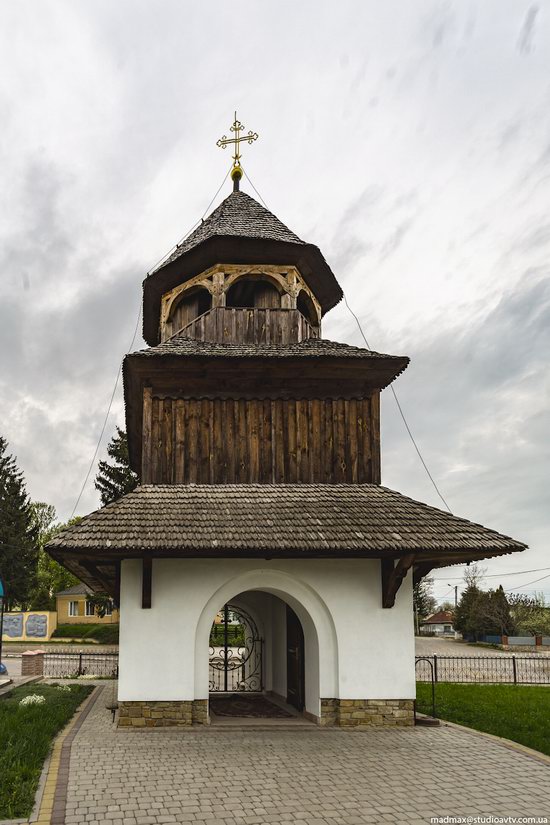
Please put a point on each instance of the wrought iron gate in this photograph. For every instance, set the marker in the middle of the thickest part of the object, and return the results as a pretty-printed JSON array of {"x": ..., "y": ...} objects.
[{"x": 235, "y": 652}]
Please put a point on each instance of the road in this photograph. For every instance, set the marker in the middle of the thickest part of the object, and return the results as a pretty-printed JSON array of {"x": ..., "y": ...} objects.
[{"x": 448, "y": 647}]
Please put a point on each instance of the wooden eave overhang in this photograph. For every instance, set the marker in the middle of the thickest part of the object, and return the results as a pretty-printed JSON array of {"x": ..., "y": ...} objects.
[
  {"x": 314, "y": 521},
  {"x": 99, "y": 568},
  {"x": 220, "y": 249}
]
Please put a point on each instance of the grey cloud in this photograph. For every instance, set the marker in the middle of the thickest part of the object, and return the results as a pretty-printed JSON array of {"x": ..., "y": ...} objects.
[
  {"x": 391, "y": 244},
  {"x": 129, "y": 162},
  {"x": 439, "y": 24},
  {"x": 527, "y": 31},
  {"x": 40, "y": 246},
  {"x": 510, "y": 133},
  {"x": 458, "y": 391}
]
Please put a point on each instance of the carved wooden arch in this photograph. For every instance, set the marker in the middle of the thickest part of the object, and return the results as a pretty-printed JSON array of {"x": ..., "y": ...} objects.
[
  {"x": 173, "y": 298},
  {"x": 219, "y": 278},
  {"x": 278, "y": 281},
  {"x": 313, "y": 316},
  {"x": 185, "y": 293}
]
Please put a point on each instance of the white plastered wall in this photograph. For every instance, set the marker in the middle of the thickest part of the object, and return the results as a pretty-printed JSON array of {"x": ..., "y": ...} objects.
[{"x": 355, "y": 649}]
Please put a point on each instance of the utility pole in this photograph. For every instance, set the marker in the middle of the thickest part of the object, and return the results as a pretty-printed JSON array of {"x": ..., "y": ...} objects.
[{"x": 456, "y": 593}]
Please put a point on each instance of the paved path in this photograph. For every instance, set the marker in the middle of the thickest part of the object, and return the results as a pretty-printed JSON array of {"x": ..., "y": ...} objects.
[{"x": 311, "y": 777}]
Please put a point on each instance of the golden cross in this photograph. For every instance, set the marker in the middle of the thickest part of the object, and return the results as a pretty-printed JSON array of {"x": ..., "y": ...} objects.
[{"x": 224, "y": 141}]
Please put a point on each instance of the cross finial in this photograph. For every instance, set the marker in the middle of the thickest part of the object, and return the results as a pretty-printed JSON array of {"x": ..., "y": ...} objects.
[{"x": 224, "y": 141}]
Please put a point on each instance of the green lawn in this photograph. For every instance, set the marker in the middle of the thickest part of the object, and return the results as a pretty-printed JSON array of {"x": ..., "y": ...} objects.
[
  {"x": 517, "y": 712},
  {"x": 26, "y": 735}
]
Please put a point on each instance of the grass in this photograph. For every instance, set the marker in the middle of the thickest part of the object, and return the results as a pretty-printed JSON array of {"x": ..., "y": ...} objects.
[
  {"x": 106, "y": 634},
  {"x": 26, "y": 735},
  {"x": 517, "y": 712}
]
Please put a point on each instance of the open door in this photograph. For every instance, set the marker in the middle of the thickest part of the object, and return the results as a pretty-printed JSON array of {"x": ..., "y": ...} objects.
[{"x": 295, "y": 677}]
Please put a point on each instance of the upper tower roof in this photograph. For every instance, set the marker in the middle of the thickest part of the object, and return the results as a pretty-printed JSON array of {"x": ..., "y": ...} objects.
[
  {"x": 238, "y": 231},
  {"x": 238, "y": 216}
]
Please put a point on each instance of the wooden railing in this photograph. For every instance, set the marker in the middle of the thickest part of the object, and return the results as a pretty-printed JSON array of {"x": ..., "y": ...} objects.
[{"x": 243, "y": 325}]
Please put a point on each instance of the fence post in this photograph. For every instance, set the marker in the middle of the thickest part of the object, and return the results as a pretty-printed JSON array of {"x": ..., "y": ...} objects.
[
  {"x": 435, "y": 667},
  {"x": 514, "y": 666},
  {"x": 80, "y": 663},
  {"x": 32, "y": 663}
]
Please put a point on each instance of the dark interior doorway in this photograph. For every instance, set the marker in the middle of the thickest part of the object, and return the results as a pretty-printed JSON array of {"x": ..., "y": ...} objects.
[{"x": 295, "y": 672}]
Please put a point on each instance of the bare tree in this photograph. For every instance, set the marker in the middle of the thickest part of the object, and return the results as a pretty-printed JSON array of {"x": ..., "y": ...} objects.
[{"x": 474, "y": 574}]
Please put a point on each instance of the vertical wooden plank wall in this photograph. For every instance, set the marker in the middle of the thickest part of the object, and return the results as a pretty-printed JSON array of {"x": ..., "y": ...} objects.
[
  {"x": 225, "y": 440},
  {"x": 146, "y": 453}
]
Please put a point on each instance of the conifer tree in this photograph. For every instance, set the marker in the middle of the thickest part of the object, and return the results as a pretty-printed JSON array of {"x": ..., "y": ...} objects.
[
  {"x": 469, "y": 618},
  {"x": 51, "y": 577},
  {"x": 18, "y": 533},
  {"x": 115, "y": 479}
]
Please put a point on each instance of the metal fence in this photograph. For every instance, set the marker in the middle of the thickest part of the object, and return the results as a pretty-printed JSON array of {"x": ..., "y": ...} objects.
[
  {"x": 516, "y": 670},
  {"x": 65, "y": 665}
]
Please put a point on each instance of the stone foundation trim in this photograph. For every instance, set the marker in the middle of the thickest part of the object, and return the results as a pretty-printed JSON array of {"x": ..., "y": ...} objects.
[
  {"x": 367, "y": 712},
  {"x": 152, "y": 714}
]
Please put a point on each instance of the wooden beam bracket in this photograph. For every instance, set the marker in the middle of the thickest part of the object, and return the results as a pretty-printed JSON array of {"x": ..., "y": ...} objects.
[
  {"x": 423, "y": 569},
  {"x": 106, "y": 583},
  {"x": 392, "y": 577}
]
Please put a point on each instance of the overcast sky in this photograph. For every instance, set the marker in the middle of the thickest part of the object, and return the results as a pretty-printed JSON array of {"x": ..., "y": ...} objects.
[{"x": 409, "y": 140}]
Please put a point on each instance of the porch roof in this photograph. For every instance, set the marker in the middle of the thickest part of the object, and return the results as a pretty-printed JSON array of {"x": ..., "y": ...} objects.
[{"x": 269, "y": 520}]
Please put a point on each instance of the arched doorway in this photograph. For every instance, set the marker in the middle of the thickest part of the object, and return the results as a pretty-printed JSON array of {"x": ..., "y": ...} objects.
[
  {"x": 266, "y": 596},
  {"x": 257, "y": 659}
]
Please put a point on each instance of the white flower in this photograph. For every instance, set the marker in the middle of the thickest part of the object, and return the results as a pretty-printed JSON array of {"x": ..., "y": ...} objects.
[
  {"x": 33, "y": 699},
  {"x": 64, "y": 688},
  {"x": 90, "y": 676}
]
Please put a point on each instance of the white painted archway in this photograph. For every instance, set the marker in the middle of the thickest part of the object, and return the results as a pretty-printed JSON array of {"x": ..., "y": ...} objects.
[{"x": 321, "y": 648}]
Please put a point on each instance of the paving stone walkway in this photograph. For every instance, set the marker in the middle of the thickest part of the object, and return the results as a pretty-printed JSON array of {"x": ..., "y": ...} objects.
[{"x": 309, "y": 776}]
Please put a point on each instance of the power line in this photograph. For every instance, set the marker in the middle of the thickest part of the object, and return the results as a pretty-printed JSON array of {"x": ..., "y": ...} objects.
[
  {"x": 195, "y": 225},
  {"x": 494, "y": 575},
  {"x": 106, "y": 416},
  {"x": 216, "y": 195},
  {"x": 256, "y": 191},
  {"x": 416, "y": 447},
  {"x": 132, "y": 344},
  {"x": 528, "y": 583}
]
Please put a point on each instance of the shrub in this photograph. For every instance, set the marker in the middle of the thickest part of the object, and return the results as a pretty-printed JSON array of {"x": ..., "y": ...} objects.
[
  {"x": 106, "y": 634},
  {"x": 235, "y": 635}
]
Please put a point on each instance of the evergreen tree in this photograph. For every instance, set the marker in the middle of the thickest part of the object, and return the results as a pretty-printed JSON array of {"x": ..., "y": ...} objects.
[
  {"x": 51, "y": 577},
  {"x": 115, "y": 479},
  {"x": 499, "y": 619},
  {"x": 468, "y": 616},
  {"x": 18, "y": 533}
]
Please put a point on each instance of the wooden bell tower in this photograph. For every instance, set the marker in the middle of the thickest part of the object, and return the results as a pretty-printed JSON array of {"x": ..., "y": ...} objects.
[{"x": 238, "y": 385}]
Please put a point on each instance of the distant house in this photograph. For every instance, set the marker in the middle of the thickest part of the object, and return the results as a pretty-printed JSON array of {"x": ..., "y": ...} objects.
[
  {"x": 438, "y": 624},
  {"x": 73, "y": 607}
]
